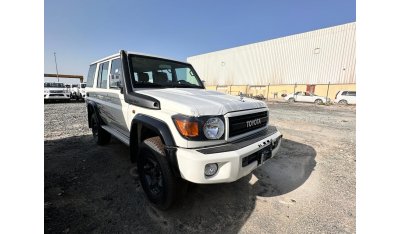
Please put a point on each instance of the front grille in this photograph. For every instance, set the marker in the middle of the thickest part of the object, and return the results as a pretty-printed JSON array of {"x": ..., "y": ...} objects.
[
  {"x": 240, "y": 125},
  {"x": 56, "y": 91}
]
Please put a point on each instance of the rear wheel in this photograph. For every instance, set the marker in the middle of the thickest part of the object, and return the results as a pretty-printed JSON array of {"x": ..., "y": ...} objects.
[
  {"x": 101, "y": 136},
  {"x": 343, "y": 102},
  {"x": 162, "y": 188}
]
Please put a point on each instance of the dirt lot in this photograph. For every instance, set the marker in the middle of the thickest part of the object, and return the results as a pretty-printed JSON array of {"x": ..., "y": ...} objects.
[{"x": 309, "y": 187}]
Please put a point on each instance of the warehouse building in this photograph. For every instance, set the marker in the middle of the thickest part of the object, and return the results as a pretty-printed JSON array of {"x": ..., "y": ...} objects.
[{"x": 321, "y": 61}]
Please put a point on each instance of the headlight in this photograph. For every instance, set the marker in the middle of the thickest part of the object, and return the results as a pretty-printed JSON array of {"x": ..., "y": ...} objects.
[
  {"x": 214, "y": 128},
  {"x": 199, "y": 128},
  {"x": 46, "y": 91}
]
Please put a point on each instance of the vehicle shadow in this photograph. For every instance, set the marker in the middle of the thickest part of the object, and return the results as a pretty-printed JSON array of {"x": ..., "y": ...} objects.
[
  {"x": 291, "y": 167},
  {"x": 51, "y": 101},
  {"x": 90, "y": 188}
]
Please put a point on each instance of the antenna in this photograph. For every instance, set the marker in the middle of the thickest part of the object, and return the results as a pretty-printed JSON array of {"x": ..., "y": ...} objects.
[{"x": 55, "y": 59}]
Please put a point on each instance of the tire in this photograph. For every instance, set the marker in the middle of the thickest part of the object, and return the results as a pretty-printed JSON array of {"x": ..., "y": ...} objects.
[
  {"x": 101, "y": 136},
  {"x": 162, "y": 188},
  {"x": 342, "y": 102},
  {"x": 291, "y": 100},
  {"x": 318, "y": 101}
]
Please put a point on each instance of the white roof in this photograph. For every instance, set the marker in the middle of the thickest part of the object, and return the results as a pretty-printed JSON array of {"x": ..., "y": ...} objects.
[{"x": 136, "y": 53}]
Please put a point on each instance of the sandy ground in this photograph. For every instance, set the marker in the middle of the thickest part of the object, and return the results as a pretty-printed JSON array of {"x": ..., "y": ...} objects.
[{"x": 309, "y": 187}]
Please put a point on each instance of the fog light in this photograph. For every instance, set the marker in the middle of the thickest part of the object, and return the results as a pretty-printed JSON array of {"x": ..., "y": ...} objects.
[{"x": 211, "y": 169}]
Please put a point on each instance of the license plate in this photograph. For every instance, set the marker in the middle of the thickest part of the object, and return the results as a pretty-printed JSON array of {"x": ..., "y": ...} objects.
[{"x": 265, "y": 154}]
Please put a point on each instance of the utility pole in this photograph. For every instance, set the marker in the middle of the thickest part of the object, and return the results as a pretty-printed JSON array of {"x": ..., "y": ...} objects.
[{"x": 55, "y": 59}]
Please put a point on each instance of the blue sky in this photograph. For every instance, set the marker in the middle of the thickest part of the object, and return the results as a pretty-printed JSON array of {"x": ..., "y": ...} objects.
[{"x": 82, "y": 31}]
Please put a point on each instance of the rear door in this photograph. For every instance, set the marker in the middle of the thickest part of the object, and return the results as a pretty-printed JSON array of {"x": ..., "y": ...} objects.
[
  {"x": 100, "y": 94},
  {"x": 117, "y": 107}
]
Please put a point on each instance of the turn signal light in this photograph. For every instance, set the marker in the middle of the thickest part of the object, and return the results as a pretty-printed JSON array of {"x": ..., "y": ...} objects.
[{"x": 187, "y": 128}]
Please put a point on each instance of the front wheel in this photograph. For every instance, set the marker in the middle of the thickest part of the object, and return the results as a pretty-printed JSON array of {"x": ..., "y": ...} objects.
[
  {"x": 162, "y": 188},
  {"x": 318, "y": 101},
  {"x": 291, "y": 100},
  {"x": 343, "y": 102}
]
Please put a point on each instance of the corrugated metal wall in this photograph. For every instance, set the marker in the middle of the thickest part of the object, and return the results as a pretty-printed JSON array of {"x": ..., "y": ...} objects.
[{"x": 316, "y": 57}]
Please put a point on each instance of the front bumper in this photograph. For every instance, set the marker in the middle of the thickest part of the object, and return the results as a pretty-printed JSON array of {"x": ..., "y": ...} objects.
[
  {"x": 235, "y": 159},
  {"x": 54, "y": 96}
]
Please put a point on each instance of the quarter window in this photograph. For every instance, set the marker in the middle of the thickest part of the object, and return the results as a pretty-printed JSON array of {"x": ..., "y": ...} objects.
[
  {"x": 90, "y": 76},
  {"x": 102, "y": 76},
  {"x": 115, "y": 73}
]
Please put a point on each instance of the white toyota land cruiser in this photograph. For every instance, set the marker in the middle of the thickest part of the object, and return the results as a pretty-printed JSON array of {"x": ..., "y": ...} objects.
[{"x": 177, "y": 131}]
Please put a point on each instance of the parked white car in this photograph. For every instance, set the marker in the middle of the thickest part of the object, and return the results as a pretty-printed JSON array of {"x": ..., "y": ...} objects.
[
  {"x": 78, "y": 91},
  {"x": 345, "y": 97},
  {"x": 305, "y": 97},
  {"x": 55, "y": 91}
]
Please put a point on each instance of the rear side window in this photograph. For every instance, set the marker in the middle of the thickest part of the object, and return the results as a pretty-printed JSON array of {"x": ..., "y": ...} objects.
[
  {"x": 351, "y": 93},
  {"x": 102, "y": 75},
  {"x": 90, "y": 76},
  {"x": 115, "y": 73}
]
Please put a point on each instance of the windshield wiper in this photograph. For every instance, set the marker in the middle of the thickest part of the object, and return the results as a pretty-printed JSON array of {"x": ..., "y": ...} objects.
[
  {"x": 185, "y": 86},
  {"x": 149, "y": 85}
]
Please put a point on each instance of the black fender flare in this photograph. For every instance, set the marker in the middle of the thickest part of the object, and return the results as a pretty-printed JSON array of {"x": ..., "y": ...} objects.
[
  {"x": 92, "y": 108},
  {"x": 162, "y": 129}
]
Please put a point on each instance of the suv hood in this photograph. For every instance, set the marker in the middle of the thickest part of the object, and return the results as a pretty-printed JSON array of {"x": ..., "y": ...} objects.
[
  {"x": 199, "y": 102},
  {"x": 54, "y": 88}
]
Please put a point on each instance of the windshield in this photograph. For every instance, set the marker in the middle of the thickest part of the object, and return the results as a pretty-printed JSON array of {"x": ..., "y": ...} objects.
[
  {"x": 54, "y": 85},
  {"x": 151, "y": 72}
]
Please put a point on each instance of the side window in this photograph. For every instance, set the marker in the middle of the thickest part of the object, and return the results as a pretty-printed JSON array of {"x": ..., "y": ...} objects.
[
  {"x": 90, "y": 76},
  {"x": 344, "y": 93},
  {"x": 351, "y": 93},
  {"x": 115, "y": 73},
  {"x": 102, "y": 75}
]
